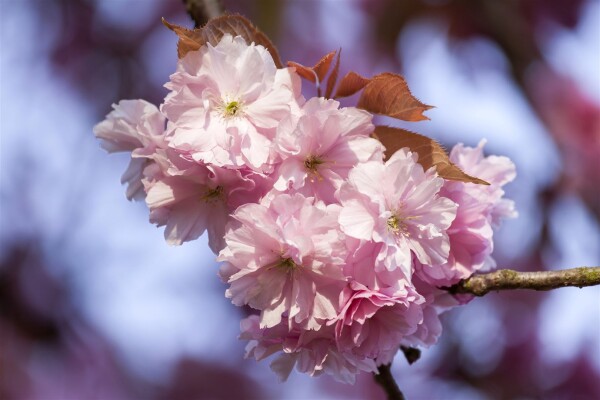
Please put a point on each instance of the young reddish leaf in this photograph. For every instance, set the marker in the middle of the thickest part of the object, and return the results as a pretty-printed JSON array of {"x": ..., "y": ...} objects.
[
  {"x": 388, "y": 94},
  {"x": 189, "y": 40},
  {"x": 313, "y": 73},
  {"x": 430, "y": 152},
  {"x": 322, "y": 67},
  {"x": 305, "y": 72},
  {"x": 213, "y": 31},
  {"x": 333, "y": 76},
  {"x": 233, "y": 24},
  {"x": 350, "y": 84}
]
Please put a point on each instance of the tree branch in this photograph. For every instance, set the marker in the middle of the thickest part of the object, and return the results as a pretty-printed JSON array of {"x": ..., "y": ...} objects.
[
  {"x": 386, "y": 380},
  {"x": 203, "y": 10},
  {"x": 506, "y": 279}
]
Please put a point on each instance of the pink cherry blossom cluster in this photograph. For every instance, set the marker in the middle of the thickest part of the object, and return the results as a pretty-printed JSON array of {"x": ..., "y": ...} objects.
[{"x": 341, "y": 252}]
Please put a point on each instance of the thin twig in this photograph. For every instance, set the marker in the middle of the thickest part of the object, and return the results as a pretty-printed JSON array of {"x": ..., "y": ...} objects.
[
  {"x": 506, "y": 279},
  {"x": 203, "y": 10},
  {"x": 386, "y": 380}
]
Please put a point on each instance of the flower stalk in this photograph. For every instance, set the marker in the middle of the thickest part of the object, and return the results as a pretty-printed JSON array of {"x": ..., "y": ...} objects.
[{"x": 385, "y": 379}]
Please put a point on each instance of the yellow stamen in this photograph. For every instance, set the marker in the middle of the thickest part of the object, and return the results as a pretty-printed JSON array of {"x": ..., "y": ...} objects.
[
  {"x": 397, "y": 225},
  {"x": 232, "y": 108},
  {"x": 311, "y": 163},
  {"x": 213, "y": 195},
  {"x": 287, "y": 263}
]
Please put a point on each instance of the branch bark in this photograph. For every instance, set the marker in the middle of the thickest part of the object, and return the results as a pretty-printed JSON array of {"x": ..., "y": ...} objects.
[
  {"x": 386, "y": 380},
  {"x": 506, "y": 279},
  {"x": 203, "y": 10}
]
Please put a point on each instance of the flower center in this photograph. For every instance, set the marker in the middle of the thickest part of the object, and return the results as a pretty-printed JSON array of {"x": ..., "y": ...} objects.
[
  {"x": 397, "y": 225},
  {"x": 232, "y": 108},
  {"x": 213, "y": 195},
  {"x": 311, "y": 163},
  {"x": 287, "y": 264}
]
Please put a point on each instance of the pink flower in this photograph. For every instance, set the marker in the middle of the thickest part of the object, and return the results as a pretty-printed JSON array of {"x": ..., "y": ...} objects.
[
  {"x": 471, "y": 244},
  {"x": 372, "y": 322},
  {"x": 480, "y": 207},
  {"x": 397, "y": 204},
  {"x": 497, "y": 170},
  {"x": 435, "y": 302},
  {"x": 360, "y": 266},
  {"x": 195, "y": 199},
  {"x": 311, "y": 352},
  {"x": 285, "y": 257},
  {"x": 133, "y": 126},
  {"x": 226, "y": 102},
  {"x": 322, "y": 146}
]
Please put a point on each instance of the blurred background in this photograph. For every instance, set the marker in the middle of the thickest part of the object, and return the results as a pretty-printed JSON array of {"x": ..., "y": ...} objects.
[{"x": 95, "y": 305}]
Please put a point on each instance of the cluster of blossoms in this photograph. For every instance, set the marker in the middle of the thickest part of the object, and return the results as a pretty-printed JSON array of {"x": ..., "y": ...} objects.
[{"x": 341, "y": 253}]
